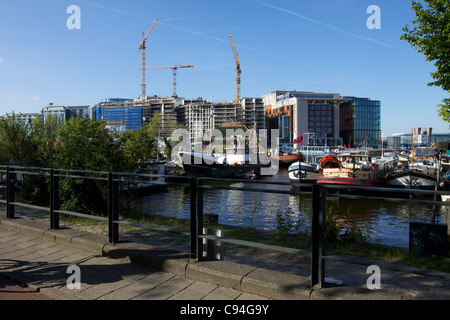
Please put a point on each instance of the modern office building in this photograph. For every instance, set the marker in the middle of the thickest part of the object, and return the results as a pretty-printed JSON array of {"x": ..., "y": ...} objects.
[
  {"x": 360, "y": 122},
  {"x": 84, "y": 112},
  {"x": 114, "y": 112},
  {"x": 297, "y": 113},
  {"x": 29, "y": 117},
  {"x": 58, "y": 111},
  {"x": 421, "y": 137}
]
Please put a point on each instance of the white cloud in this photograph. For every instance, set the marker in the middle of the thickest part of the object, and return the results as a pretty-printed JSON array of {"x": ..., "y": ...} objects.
[{"x": 2, "y": 61}]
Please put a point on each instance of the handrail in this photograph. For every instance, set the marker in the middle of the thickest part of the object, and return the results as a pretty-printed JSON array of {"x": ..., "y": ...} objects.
[{"x": 196, "y": 186}]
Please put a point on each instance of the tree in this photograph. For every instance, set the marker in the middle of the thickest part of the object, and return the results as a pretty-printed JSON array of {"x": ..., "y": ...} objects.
[
  {"x": 431, "y": 36},
  {"x": 16, "y": 141},
  {"x": 140, "y": 147},
  {"x": 85, "y": 145},
  {"x": 44, "y": 137}
]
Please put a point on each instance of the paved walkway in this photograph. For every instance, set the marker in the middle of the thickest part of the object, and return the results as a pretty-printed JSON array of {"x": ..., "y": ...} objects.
[
  {"x": 43, "y": 265},
  {"x": 39, "y": 257}
]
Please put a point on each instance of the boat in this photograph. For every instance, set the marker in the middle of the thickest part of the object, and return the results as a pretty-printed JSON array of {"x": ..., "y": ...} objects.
[
  {"x": 307, "y": 171},
  {"x": 411, "y": 179},
  {"x": 303, "y": 172},
  {"x": 359, "y": 174},
  {"x": 329, "y": 161},
  {"x": 427, "y": 174},
  {"x": 285, "y": 159},
  {"x": 198, "y": 164}
]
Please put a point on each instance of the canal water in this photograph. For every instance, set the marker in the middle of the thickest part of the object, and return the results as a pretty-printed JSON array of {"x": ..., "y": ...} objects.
[{"x": 378, "y": 221}]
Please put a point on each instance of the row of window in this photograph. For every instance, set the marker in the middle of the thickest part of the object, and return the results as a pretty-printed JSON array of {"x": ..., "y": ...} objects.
[{"x": 322, "y": 107}]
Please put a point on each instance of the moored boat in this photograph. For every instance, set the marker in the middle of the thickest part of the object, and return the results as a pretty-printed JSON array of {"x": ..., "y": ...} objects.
[
  {"x": 358, "y": 175},
  {"x": 285, "y": 159},
  {"x": 303, "y": 172},
  {"x": 411, "y": 179},
  {"x": 197, "y": 164}
]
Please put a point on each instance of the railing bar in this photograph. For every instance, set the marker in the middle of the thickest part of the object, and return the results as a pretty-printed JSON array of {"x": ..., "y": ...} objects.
[
  {"x": 146, "y": 181},
  {"x": 146, "y": 226},
  {"x": 81, "y": 177},
  {"x": 390, "y": 266},
  {"x": 256, "y": 245},
  {"x": 30, "y": 206},
  {"x": 150, "y": 175},
  {"x": 33, "y": 173},
  {"x": 356, "y": 197},
  {"x": 255, "y": 190},
  {"x": 82, "y": 215},
  {"x": 143, "y": 181},
  {"x": 250, "y": 181},
  {"x": 390, "y": 190}
]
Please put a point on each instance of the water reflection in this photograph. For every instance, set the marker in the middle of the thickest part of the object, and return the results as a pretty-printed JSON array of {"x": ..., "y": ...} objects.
[{"x": 382, "y": 221}]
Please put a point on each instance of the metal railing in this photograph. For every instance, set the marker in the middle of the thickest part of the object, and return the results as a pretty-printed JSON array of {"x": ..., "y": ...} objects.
[{"x": 197, "y": 185}]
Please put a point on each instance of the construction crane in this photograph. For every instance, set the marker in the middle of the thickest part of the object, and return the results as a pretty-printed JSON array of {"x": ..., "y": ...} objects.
[
  {"x": 142, "y": 48},
  {"x": 238, "y": 73},
  {"x": 174, "y": 68}
]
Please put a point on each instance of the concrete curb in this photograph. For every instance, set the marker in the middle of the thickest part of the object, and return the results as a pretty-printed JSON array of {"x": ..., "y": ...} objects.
[{"x": 266, "y": 283}]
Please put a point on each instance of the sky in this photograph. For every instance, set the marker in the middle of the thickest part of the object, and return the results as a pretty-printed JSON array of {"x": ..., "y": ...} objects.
[{"x": 320, "y": 46}]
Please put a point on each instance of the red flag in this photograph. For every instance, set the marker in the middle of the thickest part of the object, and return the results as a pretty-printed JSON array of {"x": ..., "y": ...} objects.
[{"x": 298, "y": 140}]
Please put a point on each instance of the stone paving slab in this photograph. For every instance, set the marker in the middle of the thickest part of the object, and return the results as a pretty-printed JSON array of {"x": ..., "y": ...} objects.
[
  {"x": 136, "y": 271},
  {"x": 44, "y": 268}
]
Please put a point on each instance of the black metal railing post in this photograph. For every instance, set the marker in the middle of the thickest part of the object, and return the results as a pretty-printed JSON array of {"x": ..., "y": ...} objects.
[
  {"x": 199, "y": 220},
  {"x": 10, "y": 191},
  {"x": 113, "y": 209},
  {"x": 54, "y": 200},
  {"x": 318, "y": 237},
  {"x": 193, "y": 213}
]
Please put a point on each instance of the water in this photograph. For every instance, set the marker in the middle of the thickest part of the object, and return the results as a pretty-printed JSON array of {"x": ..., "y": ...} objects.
[{"x": 379, "y": 221}]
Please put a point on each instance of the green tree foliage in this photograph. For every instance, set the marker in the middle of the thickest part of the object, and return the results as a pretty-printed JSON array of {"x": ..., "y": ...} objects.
[
  {"x": 16, "y": 141},
  {"x": 85, "y": 145},
  {"x": 44, "y": 137},
  {"x": 77, "y": 144},
  {"x": 431, "y": 37}
]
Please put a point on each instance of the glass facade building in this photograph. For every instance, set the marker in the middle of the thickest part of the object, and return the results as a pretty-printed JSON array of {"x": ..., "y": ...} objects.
[
  {"x": 360, "y": 122},
  {"x": 321, "y": 118}
]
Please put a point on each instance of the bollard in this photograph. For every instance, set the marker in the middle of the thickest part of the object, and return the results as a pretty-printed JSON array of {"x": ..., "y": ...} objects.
[
  {"x": 193, "y": 213},
  {"x": 113, "y": 209},
  {"x": 199, "y": 230},
  {"x": 54, "y": 200},
  {"x": 214, "y": 249},
  {"x": 318, "y": 238},
  {"x": 9, "y": 193}
]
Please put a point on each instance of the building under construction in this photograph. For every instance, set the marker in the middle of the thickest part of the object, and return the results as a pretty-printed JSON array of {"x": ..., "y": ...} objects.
[
  {"x": 128, "y": 114},
  {"x": 201, "y": 118}
]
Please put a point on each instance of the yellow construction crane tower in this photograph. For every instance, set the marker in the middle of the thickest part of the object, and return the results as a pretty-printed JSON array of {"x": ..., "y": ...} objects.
[
  {"x": 174, "y": 68},
  {"x": 142, "y": 48},
  {"x": 238, "y": 73}
]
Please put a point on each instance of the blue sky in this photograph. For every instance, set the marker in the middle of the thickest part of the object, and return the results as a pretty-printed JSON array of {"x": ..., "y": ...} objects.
[{"x": 303, "y": 45}]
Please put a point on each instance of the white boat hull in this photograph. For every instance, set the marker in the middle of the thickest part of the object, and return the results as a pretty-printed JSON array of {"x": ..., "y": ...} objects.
[{"x": 411, "y": 181}]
